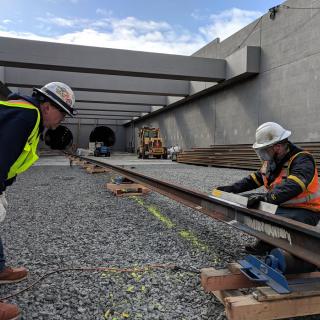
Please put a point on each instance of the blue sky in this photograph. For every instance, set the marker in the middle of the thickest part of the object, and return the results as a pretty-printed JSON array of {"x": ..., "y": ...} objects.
[{"x": 168, "y": 26}]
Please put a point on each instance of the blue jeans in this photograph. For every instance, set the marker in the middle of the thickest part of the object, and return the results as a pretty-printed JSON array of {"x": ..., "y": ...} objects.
[
  {"x": 301, "y": 215},
  {"x": 2, "y": 258}
]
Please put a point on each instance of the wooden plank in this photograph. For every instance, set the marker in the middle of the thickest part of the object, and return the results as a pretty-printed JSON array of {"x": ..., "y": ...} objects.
[
  {"x": 215, "y": 280},
  {"x": 96, "y": 169},
  {"x": 233, "y": 156},
  {"x": 78, "y": 162},
  {"x": 113, "y": 186},
  {"x": 299, "y": 290},
  {"x": 127, "y": 189},
  {"x": 234, "y": 267},
  {"x": 86, "y": 164},
  {"x": 222, "y": 294},
  {"x": 248, "y": 308},
  {"x": 119, "y": 192}
]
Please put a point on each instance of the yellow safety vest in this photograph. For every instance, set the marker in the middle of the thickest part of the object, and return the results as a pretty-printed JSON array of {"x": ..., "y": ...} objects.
[{"x": 28, "y": 155}]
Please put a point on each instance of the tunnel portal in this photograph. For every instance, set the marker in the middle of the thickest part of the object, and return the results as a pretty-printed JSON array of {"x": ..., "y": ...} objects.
[{"x": 103, "y": 134}]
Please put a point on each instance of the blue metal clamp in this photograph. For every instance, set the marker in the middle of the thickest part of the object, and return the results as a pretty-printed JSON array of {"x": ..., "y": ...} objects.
[{"x": 256, "y": 270}]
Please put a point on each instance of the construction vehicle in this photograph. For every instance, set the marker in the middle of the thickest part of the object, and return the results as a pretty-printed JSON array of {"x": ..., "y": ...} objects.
[
  {"x": 101, "y": 150},
  {"x": 150, "y": 144}
]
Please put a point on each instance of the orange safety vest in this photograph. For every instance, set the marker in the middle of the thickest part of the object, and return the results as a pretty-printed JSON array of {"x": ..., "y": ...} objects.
[{"x": 309, "y": 198}]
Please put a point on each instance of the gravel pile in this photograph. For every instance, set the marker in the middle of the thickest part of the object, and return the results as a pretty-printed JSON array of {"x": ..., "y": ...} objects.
[{"x": 62, "y": 217}]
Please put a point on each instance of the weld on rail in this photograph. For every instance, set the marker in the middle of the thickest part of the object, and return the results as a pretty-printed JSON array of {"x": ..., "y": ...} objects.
[{"x": 297, "y": 238}]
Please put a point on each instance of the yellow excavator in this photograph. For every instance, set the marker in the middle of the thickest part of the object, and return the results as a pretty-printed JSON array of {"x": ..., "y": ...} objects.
[{"x": 150, "y": 144}]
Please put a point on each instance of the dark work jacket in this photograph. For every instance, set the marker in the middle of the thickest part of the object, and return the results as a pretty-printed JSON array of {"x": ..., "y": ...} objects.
[
  {"x": 303, "y": 167},
  {"x": 16, "y": 124}
]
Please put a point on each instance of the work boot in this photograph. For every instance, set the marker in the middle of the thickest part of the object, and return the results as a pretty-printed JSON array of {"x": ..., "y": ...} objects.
[
  {"x": 9, "y": 311},
  {"x": 12, "y": 275},
  {"x": 259, "y": 248}
]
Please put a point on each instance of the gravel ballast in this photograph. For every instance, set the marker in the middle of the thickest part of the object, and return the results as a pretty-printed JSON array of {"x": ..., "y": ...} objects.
[{"x": 61, "y": 217}]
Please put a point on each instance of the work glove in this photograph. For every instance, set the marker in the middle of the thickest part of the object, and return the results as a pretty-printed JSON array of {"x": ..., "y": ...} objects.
[
  {"x": 226, "y": 188},
  {"x": 4, "y": 200},
  {"x": 254, "y": 199},
  {"x": 2, "y": 211}
]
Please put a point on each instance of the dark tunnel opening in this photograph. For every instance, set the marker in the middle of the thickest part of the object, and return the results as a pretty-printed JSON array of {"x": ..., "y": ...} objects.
[
  {"x": 58, "y": 139},
  {"x": 103, "y": 134}
]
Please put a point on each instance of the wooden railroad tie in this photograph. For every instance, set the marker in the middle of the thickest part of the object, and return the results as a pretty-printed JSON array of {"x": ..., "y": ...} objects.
[
  {"x": 78, "y": 162},
  {"x": 96, "y": 169},
  {"x": 127, "y": 189},
  {"x": 263, "y": 303},
  {"x": 85, "y": 165}
]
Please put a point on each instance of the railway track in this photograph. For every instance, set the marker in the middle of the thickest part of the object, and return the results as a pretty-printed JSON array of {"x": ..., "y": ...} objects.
[{"x": 297, "y": 238}]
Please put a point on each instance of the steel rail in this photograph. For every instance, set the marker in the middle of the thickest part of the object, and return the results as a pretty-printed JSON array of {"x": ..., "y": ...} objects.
[{"x": 297, "y": 238}]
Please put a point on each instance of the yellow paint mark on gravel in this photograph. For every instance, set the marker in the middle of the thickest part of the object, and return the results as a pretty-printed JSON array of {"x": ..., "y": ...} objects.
[
  {"x": 188, "y": 235},
  {"x": 165, "y": 220},
  {"x": 155, "y": 212},
  {"x": 185, "y": 234}
]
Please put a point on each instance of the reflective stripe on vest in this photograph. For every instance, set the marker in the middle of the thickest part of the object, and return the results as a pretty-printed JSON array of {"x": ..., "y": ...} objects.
[
  {"x": 28, "y": 155},
  {"x": 309, "y": 198}
]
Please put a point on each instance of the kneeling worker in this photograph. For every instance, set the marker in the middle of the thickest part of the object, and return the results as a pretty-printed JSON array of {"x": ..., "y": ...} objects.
[
  {"x": 289, "y": 175},
  {"x": 22, "y": 119}
]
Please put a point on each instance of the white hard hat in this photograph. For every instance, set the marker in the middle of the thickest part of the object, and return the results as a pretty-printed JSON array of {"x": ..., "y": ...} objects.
[
  {"x": 60, "y": 94},
  {"x": 268, "y": 134}
]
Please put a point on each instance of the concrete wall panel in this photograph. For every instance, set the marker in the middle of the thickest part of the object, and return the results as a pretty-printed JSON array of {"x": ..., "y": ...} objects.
[{"x": 188, "y": 126}]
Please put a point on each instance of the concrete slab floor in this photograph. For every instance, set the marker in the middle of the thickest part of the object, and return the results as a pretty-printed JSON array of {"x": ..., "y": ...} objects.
[
  {"x": 52, "y": 161},
  {"x": 129, "y": 159},
  {"x": 118, "y": 159}
]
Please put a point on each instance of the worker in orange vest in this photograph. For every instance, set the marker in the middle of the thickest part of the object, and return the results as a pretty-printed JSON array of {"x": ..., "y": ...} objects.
[{"x": 289, "y": 175}]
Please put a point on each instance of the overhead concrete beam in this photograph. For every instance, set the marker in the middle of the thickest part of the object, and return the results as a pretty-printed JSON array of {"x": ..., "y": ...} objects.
[
  {"x": 107, "y": 113},
  {"x": 106, "y": 110},
  {"x": 118, "y": 98},
  {"x": 76, "y": 58},
  {"x": 243, "y": 63},
  {"x": 104, "y": 117},
  {"x": 113, "y": 107},
  {"x": 29, "y": 78},
  {"x": 94, "y": 122}
]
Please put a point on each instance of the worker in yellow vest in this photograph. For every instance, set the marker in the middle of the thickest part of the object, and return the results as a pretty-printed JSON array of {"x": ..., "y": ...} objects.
[
  {"x": 22, "y": 120},
  {"x": 289, "y": 176}
]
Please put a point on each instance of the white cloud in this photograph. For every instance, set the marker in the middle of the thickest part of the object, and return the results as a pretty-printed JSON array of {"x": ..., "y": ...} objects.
[
  {"x": 150, "y": 42},
  {"x": 63, "y": 22},
  {"x": 197, "y": 15},
  {"x": 227, "y": 23},
  {"x": 129, "y": 33},
  {"x": 103, "y": 12},
  {"x": 134, "y": 34},
  {"x": 6, "y": 21}
]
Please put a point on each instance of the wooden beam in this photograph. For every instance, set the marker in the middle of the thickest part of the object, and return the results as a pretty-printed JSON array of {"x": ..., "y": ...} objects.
[
  {"x": 213, "y": 280},
  {"x": 248, "y": 308}
]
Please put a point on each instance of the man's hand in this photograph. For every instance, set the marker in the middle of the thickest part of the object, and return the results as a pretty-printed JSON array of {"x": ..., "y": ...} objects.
[
  {"x": 226, "y": 188},
  {"x": 254, "y": 199}
]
